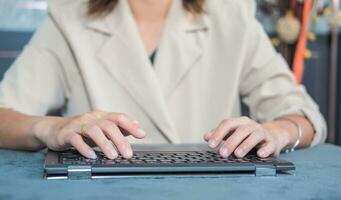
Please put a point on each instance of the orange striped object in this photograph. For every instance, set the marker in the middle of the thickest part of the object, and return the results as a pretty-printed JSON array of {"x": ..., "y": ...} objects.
[{"x": 298, "y": 64}]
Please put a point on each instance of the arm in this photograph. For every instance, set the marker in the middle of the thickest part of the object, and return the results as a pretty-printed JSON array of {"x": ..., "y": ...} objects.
[
  {"x": 19, "y": 131},
  {"x": 36, "y": 85},
  {"x": 283, "y": 127},
  {"x": 240, "y": 135},
  {"x": 16, "y": 131},
  {"x": 32, "y": 87},
  {"x": 270, "y": 91}
]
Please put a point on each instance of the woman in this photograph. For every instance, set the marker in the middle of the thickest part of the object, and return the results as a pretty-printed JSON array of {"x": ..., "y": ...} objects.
[{"x": 175, "y": 68}]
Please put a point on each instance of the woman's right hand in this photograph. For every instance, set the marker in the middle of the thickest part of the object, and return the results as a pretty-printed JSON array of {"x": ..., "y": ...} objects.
[{"x": 106, "y": 130}]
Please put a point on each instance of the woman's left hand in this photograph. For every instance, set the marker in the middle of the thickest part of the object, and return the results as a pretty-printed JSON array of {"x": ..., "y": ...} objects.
[{"x": 239, "y": 136}]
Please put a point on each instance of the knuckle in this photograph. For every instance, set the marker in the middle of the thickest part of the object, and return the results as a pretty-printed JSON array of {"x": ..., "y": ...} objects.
[
  {"x": 122, "y": 143},
  {"x": 96, "y": 114},
  {"x": 117, "y": 113},
  {"x": 258, "y": 127},
  {"x": 107, "y": 129},
  {"x": 247, "y": 120},
  {"x": 225, "y": 121},
  {"x": 254, "y": 122},
  {"x": 243, "y": 129},
  {"x": 244, "y": 118},
  {"x": 86, "y": 116},
  {"x": 121, "y": 116},
  {"x": 261, "y": 134},
  {"x": 97, "y": 111},
  {"x": 74, "y": 137},
  {"x": 91, "y": 129},
  {"x": 73, "y": 121},
  {"x": 106, "y": 125}
]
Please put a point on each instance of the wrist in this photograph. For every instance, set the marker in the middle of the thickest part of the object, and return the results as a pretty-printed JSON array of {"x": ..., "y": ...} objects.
[
  {"x": 280, "y": 130},
  {"x": 45, "y": 126}
]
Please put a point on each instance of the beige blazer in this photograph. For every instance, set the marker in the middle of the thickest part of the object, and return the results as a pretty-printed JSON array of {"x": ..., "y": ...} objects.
[{"x": 204, "y": 67}]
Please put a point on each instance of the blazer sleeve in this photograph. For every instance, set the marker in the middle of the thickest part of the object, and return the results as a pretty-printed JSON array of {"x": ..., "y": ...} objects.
[
  {"x": 35, "y": 83},
  {"x": 268, "y": 87}
]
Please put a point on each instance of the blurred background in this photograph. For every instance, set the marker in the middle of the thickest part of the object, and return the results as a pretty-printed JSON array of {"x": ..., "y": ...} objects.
[{"x": 305, "y": 32}]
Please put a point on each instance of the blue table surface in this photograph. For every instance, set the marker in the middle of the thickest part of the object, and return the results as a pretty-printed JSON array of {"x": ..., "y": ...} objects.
[{"x": 318, "y": 176}]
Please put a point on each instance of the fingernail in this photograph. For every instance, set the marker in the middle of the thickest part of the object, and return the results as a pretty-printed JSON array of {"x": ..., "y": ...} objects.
[
  {"x": 136, "y": 122},
  {"x": 239, "y": 152},
  {"x": 141, "y": 132},
  {"x": 112, "y": 152},
  {"x": 207, "y": 135},
  {"x": 128, "y": 152},
  {"x": 261, "y": 153},
  {"x": 224, "y": 152},
  {"x": 92, "y": 155},
  {"x": 212, "y": 143}
]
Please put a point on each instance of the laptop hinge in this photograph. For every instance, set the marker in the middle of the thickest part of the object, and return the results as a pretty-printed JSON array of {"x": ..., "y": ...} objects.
[
  {"x": 79, "y": 172},
  {"x": 266, "y": 170}
]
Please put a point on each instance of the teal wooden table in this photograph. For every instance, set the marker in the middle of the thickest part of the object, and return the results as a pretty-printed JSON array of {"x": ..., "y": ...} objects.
[{"x": 318, "y": 176}]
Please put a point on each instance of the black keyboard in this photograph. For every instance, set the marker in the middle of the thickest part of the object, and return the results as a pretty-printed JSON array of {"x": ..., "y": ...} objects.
[
  {"x": 72, "y": 157},
  {"x": 160, "y": 161}
]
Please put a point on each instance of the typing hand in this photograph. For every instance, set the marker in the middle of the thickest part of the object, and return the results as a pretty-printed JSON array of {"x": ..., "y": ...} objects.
[
  {"x": 106, "y": 130},
  {"x": 239, "y": 136}
]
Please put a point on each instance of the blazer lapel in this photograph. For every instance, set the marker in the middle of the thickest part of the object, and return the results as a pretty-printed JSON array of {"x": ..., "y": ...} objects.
[
  {"x": 125, "y": 58},
  {"x": 180, "y": 48}
]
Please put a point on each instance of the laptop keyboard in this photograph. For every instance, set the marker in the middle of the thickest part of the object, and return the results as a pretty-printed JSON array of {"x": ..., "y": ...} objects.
[{"x": 72, "y": 157}]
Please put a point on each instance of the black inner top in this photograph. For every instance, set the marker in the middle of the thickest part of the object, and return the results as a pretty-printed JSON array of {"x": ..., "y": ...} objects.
[{"x": 152, "y": 57}]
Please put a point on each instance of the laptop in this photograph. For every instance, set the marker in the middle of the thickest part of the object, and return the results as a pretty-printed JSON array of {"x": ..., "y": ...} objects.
[{"x": 161, "y": 161}]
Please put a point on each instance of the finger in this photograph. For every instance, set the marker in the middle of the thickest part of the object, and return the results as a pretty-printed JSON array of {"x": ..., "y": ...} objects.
[
  {"x": 224, "y": 128},
  {"x": 136, "y": 122},
  {"x": 89, "y": 116},
  {"x": 208, "y": 135},
  {"x": 77, "y": 142},
  {"x": 235, "y": 139},
  {"x": 96, "y": 134},
  {"x": 115, "y": 135},
  {"x": 131, "y": 126},
  {"x": 249, "y": 143},
  {"x": 266, "y": 150}
]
